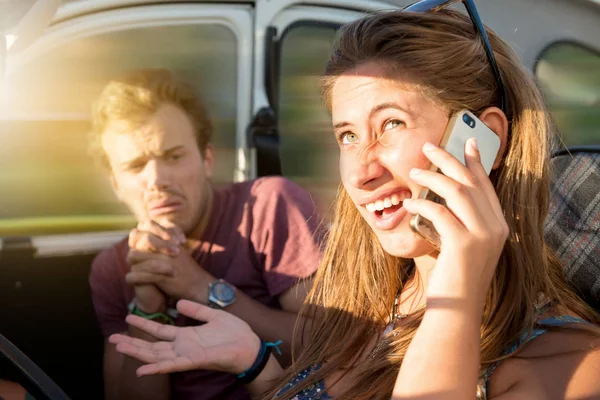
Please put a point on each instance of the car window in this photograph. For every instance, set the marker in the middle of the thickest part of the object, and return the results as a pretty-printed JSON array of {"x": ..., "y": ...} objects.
[
  {"x": 570, "y": 80},
  {"x": 49, "y": 183},
  {"x": 309, "y": 151}
]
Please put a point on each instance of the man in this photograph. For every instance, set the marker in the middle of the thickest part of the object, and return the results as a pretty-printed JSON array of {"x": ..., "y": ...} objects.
[{"x": 242, "y": 248}]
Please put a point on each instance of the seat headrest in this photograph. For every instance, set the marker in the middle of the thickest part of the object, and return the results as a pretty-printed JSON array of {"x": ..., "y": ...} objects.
[{"x": 573, "y": 224}]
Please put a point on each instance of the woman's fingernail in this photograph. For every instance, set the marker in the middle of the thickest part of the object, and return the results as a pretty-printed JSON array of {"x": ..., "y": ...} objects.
[
  {"x": 429, "y": 146},
  {"x": 415, "y": 171},
  {"x": 474, "y": 145}
]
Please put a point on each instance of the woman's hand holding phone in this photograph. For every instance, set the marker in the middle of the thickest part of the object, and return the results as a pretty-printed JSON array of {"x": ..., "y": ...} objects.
[
  {"x": 471, "y": 226},
  {"x": 472, "y": 232}
]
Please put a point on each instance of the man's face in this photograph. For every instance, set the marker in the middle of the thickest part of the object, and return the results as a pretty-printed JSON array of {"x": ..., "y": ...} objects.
[{"x": 158, "y": 170}]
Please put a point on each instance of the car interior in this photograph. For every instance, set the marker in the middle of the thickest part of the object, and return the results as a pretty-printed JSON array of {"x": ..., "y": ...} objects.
[
  {"x": 49, "y": 338},
  {"x": 70, "y": 349}
]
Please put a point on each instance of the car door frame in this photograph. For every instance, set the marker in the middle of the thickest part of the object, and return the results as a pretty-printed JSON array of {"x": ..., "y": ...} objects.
[
  {"x": 239, "y": 18},
  {"x": 271, "y": 24}
]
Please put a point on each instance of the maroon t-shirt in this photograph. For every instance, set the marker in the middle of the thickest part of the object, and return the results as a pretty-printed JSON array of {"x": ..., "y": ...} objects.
[{"x": 262, "y": 237}]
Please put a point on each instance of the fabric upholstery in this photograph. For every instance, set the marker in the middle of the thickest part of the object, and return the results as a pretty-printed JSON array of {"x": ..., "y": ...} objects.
[{"x": 573, "y": 223}]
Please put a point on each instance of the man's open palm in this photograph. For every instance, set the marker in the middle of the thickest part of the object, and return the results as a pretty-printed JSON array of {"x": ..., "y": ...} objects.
[{"x": 224, "y": 343}]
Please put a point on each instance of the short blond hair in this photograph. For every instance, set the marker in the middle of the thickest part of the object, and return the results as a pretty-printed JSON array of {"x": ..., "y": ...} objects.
[{"x": 134, "y": 97}]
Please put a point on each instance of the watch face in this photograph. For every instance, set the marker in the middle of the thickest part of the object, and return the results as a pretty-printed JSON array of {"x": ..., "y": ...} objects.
[{"x": 223, "y": 292}]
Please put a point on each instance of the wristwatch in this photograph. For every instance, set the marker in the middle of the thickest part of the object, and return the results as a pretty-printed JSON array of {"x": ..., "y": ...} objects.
[{"x": 220, "y": 294}]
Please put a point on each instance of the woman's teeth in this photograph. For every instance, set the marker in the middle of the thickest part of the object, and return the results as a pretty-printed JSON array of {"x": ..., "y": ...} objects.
[{"x": 387, "y": 202}]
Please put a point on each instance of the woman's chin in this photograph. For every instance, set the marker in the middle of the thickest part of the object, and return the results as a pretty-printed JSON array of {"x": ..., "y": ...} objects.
[{"x": 403, "y": 242}]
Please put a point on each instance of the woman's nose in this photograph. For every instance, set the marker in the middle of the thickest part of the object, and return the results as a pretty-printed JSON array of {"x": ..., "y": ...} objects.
[{"x": 366, "y": 169}]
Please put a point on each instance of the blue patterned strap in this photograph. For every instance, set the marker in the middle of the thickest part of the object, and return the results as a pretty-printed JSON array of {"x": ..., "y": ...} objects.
[
  {"x": 561, "y": 321},
  {"x": 556, "y": 321},
  {"x": 313, "y": 392}
]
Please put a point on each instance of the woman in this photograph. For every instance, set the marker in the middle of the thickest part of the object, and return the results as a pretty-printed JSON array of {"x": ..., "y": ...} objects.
[{"x": 391, "y": 316}]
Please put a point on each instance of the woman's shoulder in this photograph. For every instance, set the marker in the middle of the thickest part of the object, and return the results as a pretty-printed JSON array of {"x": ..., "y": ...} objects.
[{"x": 558, "y": 364}]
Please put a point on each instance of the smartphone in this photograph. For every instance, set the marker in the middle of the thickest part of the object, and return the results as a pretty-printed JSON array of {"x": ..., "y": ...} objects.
[{"x": 462, "y": 126}]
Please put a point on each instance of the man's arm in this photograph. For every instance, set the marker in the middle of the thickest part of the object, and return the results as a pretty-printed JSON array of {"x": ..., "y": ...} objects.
[
  {"x": 121, "y": 381},
  {"x": 223, "y": 342},
  {"x": 272, "y": 324},
  {"x": 292, "y": 299},
  {"x": 286, "y": 237},
  {"x": 289, "y": 233},
  {"x": 287, "y": 230},
  {"x": 191, "y": 282}
]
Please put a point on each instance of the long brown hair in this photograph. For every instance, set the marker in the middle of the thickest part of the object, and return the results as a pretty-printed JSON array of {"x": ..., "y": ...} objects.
[{"x": 357, "y": 282}]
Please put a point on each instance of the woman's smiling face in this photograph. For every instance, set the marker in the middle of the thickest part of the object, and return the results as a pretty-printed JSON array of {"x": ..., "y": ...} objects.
[{"x": 381, "y": 125}]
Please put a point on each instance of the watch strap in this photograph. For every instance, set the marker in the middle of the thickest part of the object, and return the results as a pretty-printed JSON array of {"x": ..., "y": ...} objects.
[{"x": 214, "y": 305}]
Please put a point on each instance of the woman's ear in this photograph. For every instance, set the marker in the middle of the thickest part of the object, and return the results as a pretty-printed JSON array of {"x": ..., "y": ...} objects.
[{"x": 495, "y": 119}]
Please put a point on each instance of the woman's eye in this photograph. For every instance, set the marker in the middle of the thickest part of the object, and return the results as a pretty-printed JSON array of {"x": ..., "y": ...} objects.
[
  {"x": 391, "y": 124},
  {"x": 349, "y": 138}
]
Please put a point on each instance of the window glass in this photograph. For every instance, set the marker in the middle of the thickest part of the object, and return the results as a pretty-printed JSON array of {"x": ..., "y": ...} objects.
[
  {"x": 569, "y": 76},
  {"x": 49, "y": 182},
  {"x": 309, "y": 151}
]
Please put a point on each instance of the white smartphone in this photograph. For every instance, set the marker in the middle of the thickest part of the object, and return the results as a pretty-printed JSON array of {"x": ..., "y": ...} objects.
[{"x": 462, "y": 126}]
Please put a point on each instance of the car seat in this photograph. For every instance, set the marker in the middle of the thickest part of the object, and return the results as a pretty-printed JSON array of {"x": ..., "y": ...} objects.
[{"x": 573, "y": 223}]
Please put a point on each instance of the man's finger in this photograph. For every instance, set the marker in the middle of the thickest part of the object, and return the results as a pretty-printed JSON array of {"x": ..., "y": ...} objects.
[
  {"x": 135, "y": 256},
  {"x": 130, "y": 350},
  {"x": 147, "y": 241},
  {"x": 178, "y": 364},
  {"x": 159, "y": 331},
  {"x": 174, "y": 230},
  {"x": 153, "y": 267},
  {"x": 167, "y": 231},
  {"x": 197, "y": 311},
  {"x": 155, "y": 228},
  {"x": 144, "y": 354},
  {"x": 143, "y": 278},
  {"x": 132, "y": 238},
  {"x": 139, "y": 343}
]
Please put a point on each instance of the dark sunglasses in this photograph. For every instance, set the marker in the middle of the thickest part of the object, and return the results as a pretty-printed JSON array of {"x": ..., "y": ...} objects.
[{"x": 427, "y": 6}]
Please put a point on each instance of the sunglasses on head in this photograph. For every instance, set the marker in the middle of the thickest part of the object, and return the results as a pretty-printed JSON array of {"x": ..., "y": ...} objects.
[{"x": 431, "y": 6}]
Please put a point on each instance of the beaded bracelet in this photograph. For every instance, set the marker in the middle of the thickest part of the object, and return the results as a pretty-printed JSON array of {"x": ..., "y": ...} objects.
[
  {"x": 261, "y": 361},
  {"x": 162, "y": 318}
]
